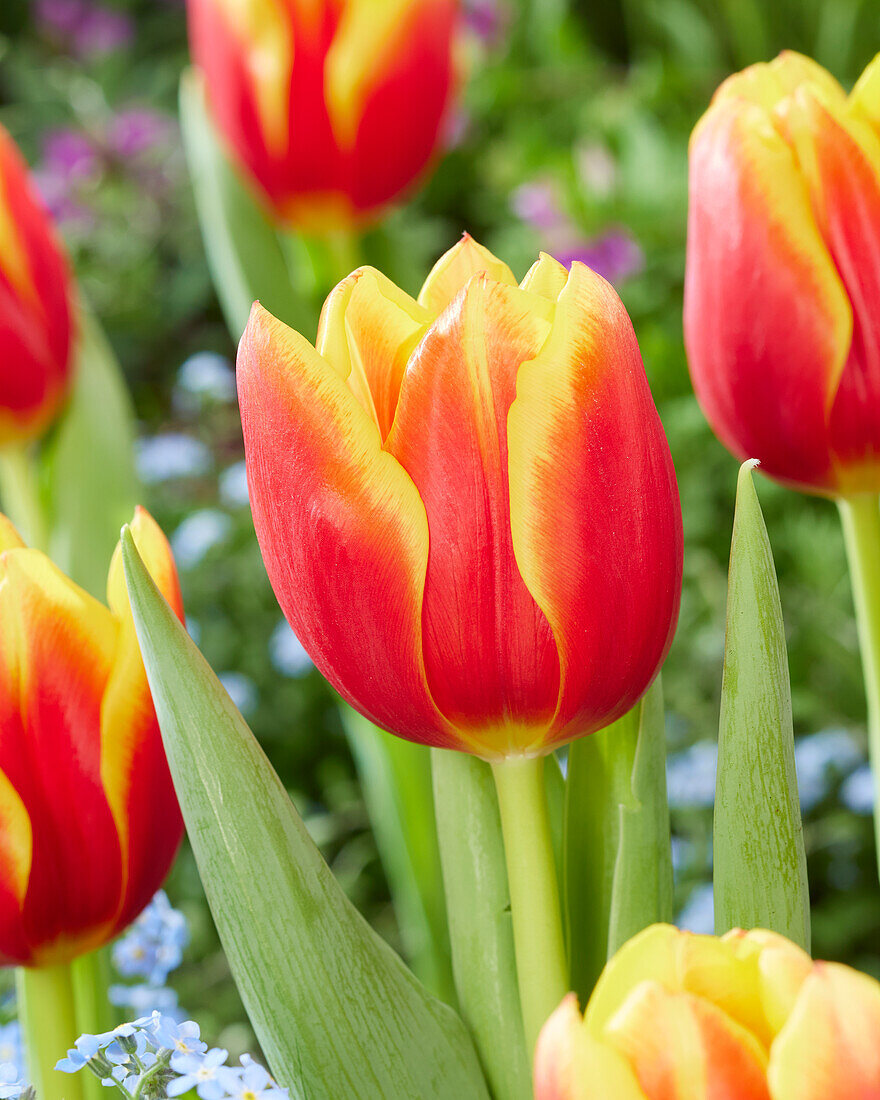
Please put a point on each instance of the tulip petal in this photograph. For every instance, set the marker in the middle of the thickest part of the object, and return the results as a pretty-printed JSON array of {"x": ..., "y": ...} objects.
[
  {"x": 571, "y": 1065},
  {"x": 455, "y": 267},
  {"x": 546, "y": 277},
  {"x": 367, "y": 332},
  {"x": 10, "y": 539},
  {"x": 489, "y": 654},
  {"x": 685, "y": 1048},
  {"x": 830, "y": 1046},
  {"x": 756, "y": 257},
  {"x": 840, "y": 159},
  {"x": 134, "y": 771},
  {"x": 782, "y": 969},
  {"x": 591, "y": 487},
  {"x": 768, "y": 82},
  {"x": 56, "y": 652},
  {"x": 342, "y": 529}
]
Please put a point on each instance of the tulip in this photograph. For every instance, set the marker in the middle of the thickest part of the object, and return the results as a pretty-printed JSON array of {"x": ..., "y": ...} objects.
[
  {"x": 332, "y": 107},
  {"x": 89, "y": 822},
  {"x": 468, "y": 512},
  {"x": 466, "y": 502},
  {"x": 36, "y": 325},
  {"x": 748, "y": 1016},
  {"x": 783, "y": 273}
]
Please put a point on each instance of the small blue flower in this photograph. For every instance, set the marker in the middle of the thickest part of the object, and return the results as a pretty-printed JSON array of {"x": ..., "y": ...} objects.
[
  {"x": 199, "y": 1073},
  {"x": 154, "y": 944},
  {"x": 11, "y": 1084},
  {"x": 206, "y": 375},
  {"x": 287, "y": 653},
  {"x": 690, "y": 776},
  {"x": 11, "y": 1050},
  {"x": 180, "y": 1038},
  {"x": 699, "y": 913},
  {"x": 250, "y": 1082},
  {"x": 199, "y": 533},
  {"x": 147, "y": 998},
  {"x": 233, "y": 486},
  {"x": 241, "y": 690},
  {"x": 171, "y": 455},
  {"x": 857, "y": 792}
]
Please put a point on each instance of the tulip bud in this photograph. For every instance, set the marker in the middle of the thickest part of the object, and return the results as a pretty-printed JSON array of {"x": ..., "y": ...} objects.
[
  {"x": 466, "y": 502},
  {"x": 783, "y": 272},
  {"x": 332, "y": 107},
  {"x": 745, "y": 1017},
  {"x": 35, "y": 307},
  {"x": 89, "y": 822}
]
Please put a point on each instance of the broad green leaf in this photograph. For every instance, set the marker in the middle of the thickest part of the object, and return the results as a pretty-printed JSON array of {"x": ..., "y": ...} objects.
[
  {"x": 760, "y": 868},
  {"x": 89, "y": 464},
  {"x": 244, "y": 255},
  {"x": 480, "y": 926},
  {"x": 395, "y": 777},
  {"x": 334, "y": 1008},
  {"x": 618, "y": 866}
]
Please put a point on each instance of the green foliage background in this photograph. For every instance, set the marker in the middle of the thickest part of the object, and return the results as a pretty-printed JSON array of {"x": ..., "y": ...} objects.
[{"x": 563, "y": 80}]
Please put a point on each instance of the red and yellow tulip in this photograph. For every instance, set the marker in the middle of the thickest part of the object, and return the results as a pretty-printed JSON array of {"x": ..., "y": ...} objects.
[
  {"x": 466, "y": 502},
  {"x": 36, "y": 327},
  {"x": 333, "y": 107},
  {"x": 89, "y": 822},
  {"x": 748, "y": 1016},
  {"x": 783, "y": 273}
]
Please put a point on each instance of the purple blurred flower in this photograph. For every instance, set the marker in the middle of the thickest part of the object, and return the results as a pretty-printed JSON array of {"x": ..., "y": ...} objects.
[
  {"x": 137, "y": 130},
  {"x": 70, "y": 154},
  {"x": 615, "y": 255},
  {"x": 84, "y": 28},
  {"x": 537, "y": 204},
  {"x": 487, "y": 19}
]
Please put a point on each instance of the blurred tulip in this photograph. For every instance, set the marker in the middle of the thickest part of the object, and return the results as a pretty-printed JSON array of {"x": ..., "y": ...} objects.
[
  {"x": 333, "y": 107},
  {"x": 745, "y": 1017},
  {"x": 35, "y": 307},
  {"x": 466, "y": 502},
  {"x": 783, "y": 272},
  {"x": 89, "y": 822}
]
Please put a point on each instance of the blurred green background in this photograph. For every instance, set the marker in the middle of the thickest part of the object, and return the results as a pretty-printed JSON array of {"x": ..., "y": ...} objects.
[{"x": 571, "y": 135}]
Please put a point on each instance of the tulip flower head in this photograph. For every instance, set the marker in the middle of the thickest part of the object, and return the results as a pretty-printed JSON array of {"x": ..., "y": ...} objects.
[
  {"x": 36, "y": 327},
  {"x": 332, "y": 107},
  {"x": 783, "y": 273},
  {"x": 89, "y": 822},
  {"x": 466, "y": 502},
  {"x": 749, "y": 1016}
]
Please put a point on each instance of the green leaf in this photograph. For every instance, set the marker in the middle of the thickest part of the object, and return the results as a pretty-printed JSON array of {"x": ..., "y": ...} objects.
[
  {"x": 395, "y": 778},
  {"x": 334, "y": 1008},
  {"x": 92, "y": 485},
  {"x": 480, "y": 925},
  {"x": 244, "y": 255},
  {"x": 760, "y": 868},
  {"x": 618, "y": 866}
]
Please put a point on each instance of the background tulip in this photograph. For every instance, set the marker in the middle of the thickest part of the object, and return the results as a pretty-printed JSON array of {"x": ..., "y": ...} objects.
[
  {"x": 89, "y": 822},
  {"x": 745, "y": 1017},
  {"x": 782, "y": 273},
  {"x": 35, "y": 306},
  {"x": 466, "y": 503},
  {"x": 334, "y": 107}
]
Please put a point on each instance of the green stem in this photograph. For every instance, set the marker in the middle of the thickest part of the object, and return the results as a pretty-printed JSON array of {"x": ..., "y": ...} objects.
[
  {"x": 542, "y": 970},
  {"x": 20, "y": 495},
  {"x": 90, "y": 979},
  {"x": 860, "y": 517},
  {"x": 47, "y": 1016}
]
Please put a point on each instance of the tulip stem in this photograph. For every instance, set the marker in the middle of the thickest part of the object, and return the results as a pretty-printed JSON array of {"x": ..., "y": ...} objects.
[
  {"x": 860, "y": 516},
  {"x": 542, "y": 969},
  {"x": 20, "y": 495},
  {"x": 48, "y": 1025}
]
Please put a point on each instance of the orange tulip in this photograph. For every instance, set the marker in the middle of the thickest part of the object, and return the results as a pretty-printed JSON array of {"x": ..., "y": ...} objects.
[
  {"x": 465, "y": 502},
  {"x": 783, "y": 273},
  {"x": 89, "y": 822},
  {"x": 333, "y": 107},
  {"x": 35, "y": 307},
  {"x": 748, "y": 1016}
]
